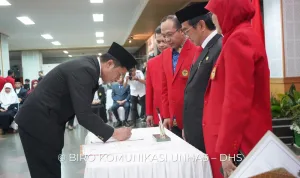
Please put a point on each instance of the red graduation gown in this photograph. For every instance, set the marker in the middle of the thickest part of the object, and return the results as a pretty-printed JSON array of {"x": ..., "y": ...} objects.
[
  {"x": 173, "y": 85},
  {"x": 237, "y": 101},
  {"x": 153, "y": 87}
]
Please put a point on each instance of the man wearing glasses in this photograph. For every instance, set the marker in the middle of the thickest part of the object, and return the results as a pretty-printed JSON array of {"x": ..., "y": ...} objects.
[
  {"x": 176, "y": 63},
  {"x": 198, "y": 26}
]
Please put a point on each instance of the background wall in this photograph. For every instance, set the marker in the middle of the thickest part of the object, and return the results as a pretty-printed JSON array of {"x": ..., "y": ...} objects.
[
  {"x": 4, "y": 55},
  {"x": 273, "y": 36},
  {"x": 291, "y": 24}
]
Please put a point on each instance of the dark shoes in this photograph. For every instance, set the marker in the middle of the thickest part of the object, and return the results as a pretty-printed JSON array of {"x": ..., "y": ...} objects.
[
  {"x": 126, "y": 124},
  {"x": 118, "y": 124}
]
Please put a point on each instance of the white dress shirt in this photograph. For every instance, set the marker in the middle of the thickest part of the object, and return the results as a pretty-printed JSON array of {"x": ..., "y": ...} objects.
[
  {"x": 18, "y": 90},
  {"x": 207, "y": 40},
  {"x": 137, "y": 88}
]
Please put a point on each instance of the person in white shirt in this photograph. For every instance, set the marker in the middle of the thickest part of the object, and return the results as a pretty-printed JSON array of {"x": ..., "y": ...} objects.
[{"x": 136, "y": 79}]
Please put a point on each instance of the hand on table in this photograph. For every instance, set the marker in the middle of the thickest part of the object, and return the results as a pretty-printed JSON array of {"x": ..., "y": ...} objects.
[
  {"x": 122, "y": 134},
  {"x": 149, "y": 121},
  {"x": 227, "y": 165},
  {"x": 167, "y": 123}
]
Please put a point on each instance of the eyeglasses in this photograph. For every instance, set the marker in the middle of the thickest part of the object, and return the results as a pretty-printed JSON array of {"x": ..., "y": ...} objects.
[
  {"x": 187, "y": 31},
  {"x": 170, "y": 35}
]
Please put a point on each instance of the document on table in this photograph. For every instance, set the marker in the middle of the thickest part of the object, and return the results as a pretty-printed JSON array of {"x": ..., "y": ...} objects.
[
  {"x": 111, "y": 139},
  {"x": 117, "y": 147},
  {"x": 269, "y": 153}
]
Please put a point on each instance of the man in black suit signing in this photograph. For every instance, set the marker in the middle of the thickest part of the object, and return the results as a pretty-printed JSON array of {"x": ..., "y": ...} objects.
[
  {"x": 65, "y": 91},
  {"x": 198, "y": 26}
]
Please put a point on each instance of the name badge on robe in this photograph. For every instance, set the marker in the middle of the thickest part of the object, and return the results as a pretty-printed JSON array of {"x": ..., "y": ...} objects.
[{"x": 185, "y": 73}]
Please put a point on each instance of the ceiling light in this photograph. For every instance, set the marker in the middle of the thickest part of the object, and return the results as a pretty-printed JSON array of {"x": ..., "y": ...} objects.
[
  {"x": 6, "y": 3},
  {"x": 56, "y": 43},
  {"x": 70, "y": 55},
  {"x": 100, "y": 41},
  {"x": 66, "y": 52},
  {"x": 100, "y": 54},
  {"x": 26, "y": 20},
  {"x": 98, "y": 17},
  {"x": 99, "y": 34},
  {"x": 96, "y": 1},
  {"x": 47, "y": 36}
]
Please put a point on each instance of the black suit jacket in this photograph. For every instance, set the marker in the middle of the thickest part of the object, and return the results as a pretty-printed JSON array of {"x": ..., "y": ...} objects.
[
  {"x": 22, "y": 94},
  {"x": 66, "y": 90},
  {"x": 195, "y": 90},
  {"x": 27, "y": 87}
]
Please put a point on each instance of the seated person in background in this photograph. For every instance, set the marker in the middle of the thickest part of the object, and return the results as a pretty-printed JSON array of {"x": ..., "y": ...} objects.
[
  {"x": 20, "y": 91},
  {"x": 9, "y": 106},
  {"x": 99, "y": 102},
  {"x": 27, "y": 84},
  {"x": 33, "y": 85},
  {"x": 121, "y": 98}
]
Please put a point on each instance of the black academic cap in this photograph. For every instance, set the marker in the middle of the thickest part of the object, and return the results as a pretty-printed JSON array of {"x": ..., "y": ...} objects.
[
  {"x": 18, "y": 80},
  {"x": 122, "y": 55},
  {"x": 191, "y": 11}
]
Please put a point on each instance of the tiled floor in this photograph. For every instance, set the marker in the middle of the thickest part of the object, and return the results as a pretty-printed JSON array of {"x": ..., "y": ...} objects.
[{"x": 13, "y": 163}]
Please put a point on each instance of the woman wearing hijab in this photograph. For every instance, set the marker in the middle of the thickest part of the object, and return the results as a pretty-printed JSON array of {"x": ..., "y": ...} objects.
[
  {"x": 33, "y": 85},
  {"x": 9, "y": 105},
  {"x": 237, "y": 110}
]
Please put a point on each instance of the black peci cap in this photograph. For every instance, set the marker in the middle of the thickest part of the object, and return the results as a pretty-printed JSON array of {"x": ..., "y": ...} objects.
[
  {"x": 18, "y": 80},
  {"x": 192, "y": 11},
  {"x": 122, "y": 55}
]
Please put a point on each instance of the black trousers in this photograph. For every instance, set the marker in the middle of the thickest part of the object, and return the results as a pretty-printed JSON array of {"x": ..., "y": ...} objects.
[
  {"x": 177, "y": 131},
  {"x": 42, "y": 160},
  {"x": 6, "y": 118},
  {"x": 100, "y": 110},
  {"x": 115, "y": 108},
  {"x": 71, "y": 122},
  {"x": 134, "y": 112}
]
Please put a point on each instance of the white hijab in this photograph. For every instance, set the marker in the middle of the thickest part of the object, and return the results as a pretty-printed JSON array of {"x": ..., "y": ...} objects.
[{"x": 7, "y": 99}]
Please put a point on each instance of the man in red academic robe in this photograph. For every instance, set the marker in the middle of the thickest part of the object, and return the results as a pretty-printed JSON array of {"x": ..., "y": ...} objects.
[
  {"x": 237, "y": 110},
  {"x": 153, "y": 82},
  {"x": 9, "y": 78},
  {"x": 176, "y": 64},
  {"x": 2, "y": 82}
]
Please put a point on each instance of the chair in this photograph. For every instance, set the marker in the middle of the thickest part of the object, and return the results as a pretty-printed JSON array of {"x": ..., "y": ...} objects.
[{"x": 121, "y": 110}]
